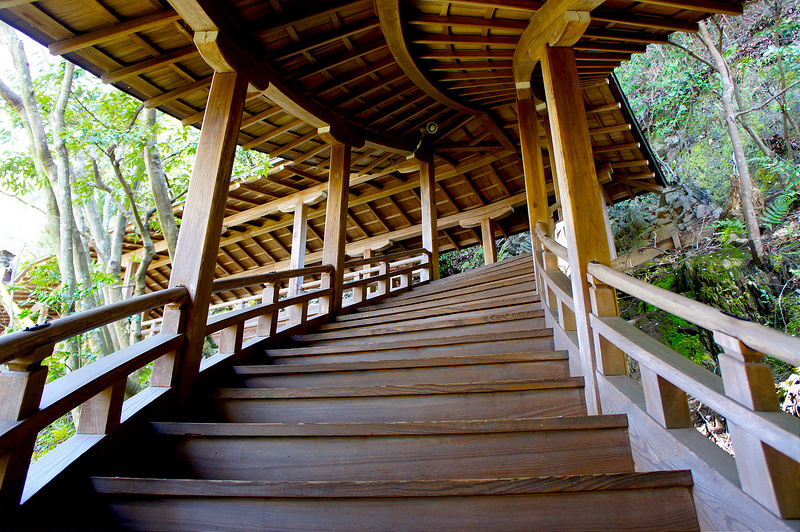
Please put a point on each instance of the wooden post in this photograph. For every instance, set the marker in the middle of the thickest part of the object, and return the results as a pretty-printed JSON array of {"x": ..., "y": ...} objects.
[
  {"x": 298, "y": 259},
  {"x": 580, "y": 195},
  {"x": 767, "y": 475},
  {"x": 198, "y": 241},
  {"x": 555, "y": 210},
  {"x": 101, "y": 413},
  {"x": 336, "y": 226},
  {"x": 612, "y": 246},
  {"x": 20, "y": 393},
  {"x": 268, "y": 323},
  {"x": 385, "y": 286},
  {"x": 430, "y": 233},
  {"x": 489, "y": 246},
  {"x": 535, "y": 186}
]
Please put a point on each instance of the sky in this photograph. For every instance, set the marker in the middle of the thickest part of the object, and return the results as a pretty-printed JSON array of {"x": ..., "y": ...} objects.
[{"x": 20, "y": 225}]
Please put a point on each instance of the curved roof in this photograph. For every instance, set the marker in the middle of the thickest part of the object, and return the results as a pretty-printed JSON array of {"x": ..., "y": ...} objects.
[{"x": 379, "y": 70}]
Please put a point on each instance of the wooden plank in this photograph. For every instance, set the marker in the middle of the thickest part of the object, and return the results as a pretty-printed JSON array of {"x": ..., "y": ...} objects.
[
  {"x": 402, "y": 457},
  {"x": 199, "y": 239},
  {"x": 116, "y": 31},
  {"x": 506, "y": 371},
  {"x": 19, "y": 343},
  {"x": 617, "y": 507},
  {"x": 399, "y": 408}
]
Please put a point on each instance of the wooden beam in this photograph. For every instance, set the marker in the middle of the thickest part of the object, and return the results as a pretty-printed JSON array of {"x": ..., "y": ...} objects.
[
  {"x": 580, "y": 194},
  {"x": 150, "y": 65},
  {"x": 199, "y": 238},
  {"x": 391, "y": 25},
  {"x": 560, "y": 22},
  {"x": 123, "y": 29}
]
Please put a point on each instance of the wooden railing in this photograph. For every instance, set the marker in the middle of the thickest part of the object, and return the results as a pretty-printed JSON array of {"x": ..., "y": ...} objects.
[
  {"x": 380, "y": 278},
  {"x": 766, "y": 441},
  {"x": 27, "y": 405}
]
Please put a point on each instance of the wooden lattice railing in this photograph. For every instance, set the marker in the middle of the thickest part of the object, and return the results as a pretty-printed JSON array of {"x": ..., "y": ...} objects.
[
  {"x": 766, "y": 441},
  {"x": 28, "y": 405}
]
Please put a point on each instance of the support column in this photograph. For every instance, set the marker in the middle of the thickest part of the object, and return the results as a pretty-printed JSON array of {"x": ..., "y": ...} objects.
[
  {"x": 535, "y": 186},
  {"x": 336, "y": 225},
  {"x": 430, "y": 233},
  {"x": 298, "y": 259},
  {"x": 580, "y": 194},
  {"x": 198, "y": 241},
  {"x": 489, "y": 246}
]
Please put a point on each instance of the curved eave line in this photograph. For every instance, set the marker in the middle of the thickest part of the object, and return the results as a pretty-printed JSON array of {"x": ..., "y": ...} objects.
[
  {"x": 392, "y": 28},
  {"x": 237, "y": 48}
]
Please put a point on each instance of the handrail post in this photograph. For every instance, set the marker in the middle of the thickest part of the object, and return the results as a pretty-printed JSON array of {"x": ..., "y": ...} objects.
[
  {"x": 384, "y": 285},
  {"x": 610, "y": 358},
  {"x": 268, "y": 323},
  {"x": 765, "y": 474},
  {"x": 21, "y": 390},
  {"x": 101, "y": 413}
]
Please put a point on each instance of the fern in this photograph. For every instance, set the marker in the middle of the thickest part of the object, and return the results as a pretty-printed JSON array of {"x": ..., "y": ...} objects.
[{"x": 775, "y": 213}]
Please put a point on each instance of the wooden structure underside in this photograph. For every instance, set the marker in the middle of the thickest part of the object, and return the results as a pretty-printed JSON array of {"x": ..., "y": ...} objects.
[{"x": 379, "y": 70}]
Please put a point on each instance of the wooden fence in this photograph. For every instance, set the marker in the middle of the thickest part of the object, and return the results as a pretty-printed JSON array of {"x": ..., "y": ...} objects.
[
  {"x": 766, "y": 441},
  {"x": 28, "y": 405}
]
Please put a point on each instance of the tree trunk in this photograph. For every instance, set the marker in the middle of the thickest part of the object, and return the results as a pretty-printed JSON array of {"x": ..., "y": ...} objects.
[
  {"x": 745, "y": 182},
  {"x": 158, "y": 183}
]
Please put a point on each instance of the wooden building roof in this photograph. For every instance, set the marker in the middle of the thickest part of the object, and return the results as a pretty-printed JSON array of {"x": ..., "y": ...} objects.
[{"x": 379, "y": 70}]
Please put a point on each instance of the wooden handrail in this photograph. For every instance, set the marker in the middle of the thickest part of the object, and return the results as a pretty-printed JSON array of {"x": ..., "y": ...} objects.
[
  {"x": 393, "y": 257},
  {"x": 222, "y": 321},
  {"x": 551, "y": 245},
  {"x": 774, "y": 428},
  {"x": 21, "y": 343},
  {"x": 75, "y": 388},
  {"x": 382, "y": 277},
  {"x": 754, "y": 335},
  {"x": 224, "y": 285}
]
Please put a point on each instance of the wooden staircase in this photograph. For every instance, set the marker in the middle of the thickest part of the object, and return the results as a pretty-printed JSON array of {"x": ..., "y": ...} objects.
[{"x": 442, "y": 409}]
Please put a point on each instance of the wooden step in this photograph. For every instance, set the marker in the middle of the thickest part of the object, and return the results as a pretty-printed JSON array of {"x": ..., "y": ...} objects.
[
  {"x": 493, "y": 303},
  {"x": 394, "y": 302},
  {"x": 338, "y": 452},
  {"x": 619, "y": 502},
  {"x": 479, "y": 344},
  {"x": 482, "y": 321},
  {"x": 520, "y": 288},
  {"x": 545, "y": 398},
  {"x": 442, "y": 370}
]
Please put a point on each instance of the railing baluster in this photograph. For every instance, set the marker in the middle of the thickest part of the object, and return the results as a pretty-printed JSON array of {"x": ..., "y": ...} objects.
[
  {"x": 101, "y": 413},
  {"x": 165, "y": 368},
  {"x": 667, "y": 404},
  {"x": 765, "y": 474},
  {"x": 384, "y": 285},
  {"x": 20, "y": 394},
  {"x": 268, "y": 323},
  {"x": 610, "y": 359},
  {"x": 230, "y": 339}
]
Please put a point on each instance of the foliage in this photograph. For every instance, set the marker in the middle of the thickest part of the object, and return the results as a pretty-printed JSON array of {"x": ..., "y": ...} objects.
[
  {"x": 51, "y": 436},
  {"x": 775, "y": 213},
  {"x": 725, "y": 228}
]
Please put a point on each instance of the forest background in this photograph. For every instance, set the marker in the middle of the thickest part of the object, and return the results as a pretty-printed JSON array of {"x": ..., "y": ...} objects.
[{"x": 92, "y": 164}]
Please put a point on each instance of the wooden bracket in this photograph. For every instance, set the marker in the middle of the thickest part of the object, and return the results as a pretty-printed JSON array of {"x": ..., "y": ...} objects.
[{"x": 216, "y": 50}]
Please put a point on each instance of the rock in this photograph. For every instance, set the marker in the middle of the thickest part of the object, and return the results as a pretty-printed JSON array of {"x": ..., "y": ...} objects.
[
  {"x": 704, "y": 211},
  {"x": 681, "y": 227}
]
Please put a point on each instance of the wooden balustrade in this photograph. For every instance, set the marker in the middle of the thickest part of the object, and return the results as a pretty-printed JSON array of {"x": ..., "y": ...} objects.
[
  {"x": 27, "y": 405},
  {"x": 765, "y": 440},
  {"x": 399, "y": 266}
]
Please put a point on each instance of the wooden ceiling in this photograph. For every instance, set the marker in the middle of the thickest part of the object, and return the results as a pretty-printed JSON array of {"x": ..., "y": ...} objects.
[{"x": 381, "y": 70}]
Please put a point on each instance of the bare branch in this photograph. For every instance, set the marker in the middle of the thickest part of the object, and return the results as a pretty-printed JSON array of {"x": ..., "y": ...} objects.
[
  {"x": 691, "y": 53},
  {"x": 766, "y": 102},
  {"x": 31, "y": 205}
]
